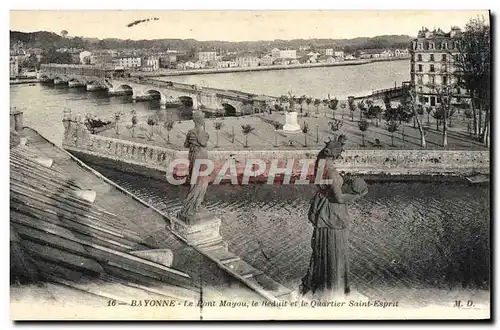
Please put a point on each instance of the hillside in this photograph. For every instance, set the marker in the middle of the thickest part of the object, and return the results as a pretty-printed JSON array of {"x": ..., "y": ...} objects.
[{"x": 43, "y": 39}]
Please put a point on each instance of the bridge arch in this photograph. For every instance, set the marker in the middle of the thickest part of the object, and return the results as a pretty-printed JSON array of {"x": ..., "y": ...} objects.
[
  {"x": 158, "y": 95},
  {"x": 125, "y": 89},
  {"x": 187, "y": 101},
  {"x": 229, "y": 109}
]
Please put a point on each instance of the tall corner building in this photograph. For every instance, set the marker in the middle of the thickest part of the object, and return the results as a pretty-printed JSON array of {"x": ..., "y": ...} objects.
[{"x": 432, "y": 69}]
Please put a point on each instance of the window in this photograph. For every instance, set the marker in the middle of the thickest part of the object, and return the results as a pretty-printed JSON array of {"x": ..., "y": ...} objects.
[
  {"x": 420, "y": 68},
  {"x": 420, "y": 79},
  {"x": 426, "y": 99},
  {"x": 431, "y": 45},
  {"x": 420, "y": 89},
  {"x": 421, "y": 99},
  {"x": 445, "y": 80},
  {"x": 420, "y": 45},
  {"x": 432, "y": 68},
  {"x": 431, "y": 58},
  {"x": 458, "y": 90},
  {"x": 432, "y": 80},
  {"x": 419, "y": 57},
  {"x": 443, "y": 58}
]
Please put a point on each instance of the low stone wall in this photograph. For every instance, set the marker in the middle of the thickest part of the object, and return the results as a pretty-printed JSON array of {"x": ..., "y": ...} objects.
[{"x": 153, "y": 161}]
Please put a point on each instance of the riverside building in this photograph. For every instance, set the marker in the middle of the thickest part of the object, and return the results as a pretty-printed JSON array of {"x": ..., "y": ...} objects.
[{"x": 431, "y": 66}]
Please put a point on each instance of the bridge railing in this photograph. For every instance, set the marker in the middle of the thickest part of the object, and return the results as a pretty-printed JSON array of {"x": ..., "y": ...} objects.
[
  {"x": 82, "y": 70},
  {"x": 393, "y": 89}
]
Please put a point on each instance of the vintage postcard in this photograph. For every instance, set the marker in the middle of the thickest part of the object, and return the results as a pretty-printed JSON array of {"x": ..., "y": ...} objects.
[{"x": 250, "y": 165}]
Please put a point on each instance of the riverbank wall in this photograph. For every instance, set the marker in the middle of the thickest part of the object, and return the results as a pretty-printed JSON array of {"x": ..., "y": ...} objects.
[
  {"x": 24, "y": 81},
  {"x": 173, "y": 73},
  {"x": 153, "y": 161}
]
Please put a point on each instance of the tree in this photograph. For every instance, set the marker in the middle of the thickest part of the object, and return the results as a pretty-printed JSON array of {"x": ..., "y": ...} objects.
[
  {"x": 277, "y": 126},
  {"x": 473, "y": 69},
  {"x": 52, "y": 56},
  {"x": 352, "y": 106},
  {"x": 168, "y": 125},
  {"x": 363, "y": 126},
  {"x": 246, "y": 129},
  {"x": 134, "y": 122},
  {"x": 317, "y": 103},
  {"x": 335, "y": 125},
  {"x": 305, "y": 129},
  {"x": 308, "y": 102},
  {"x": 444, "y": 97},
  {"x": 64, "y": 33},
  {"x": 118, "y": 116},
  {"x": 362, "y": 107},
  {"x": 429, "y": 111},
  {"x": 332, "y": 104},
  {"x": 417, "y": 110},
  {"x": 300, "y": 101},
  {"x": 451, "y": 112},
  {"x": 151, "y": 122},
  {"x": 437, "y": 114},
  {"x": 217, "y": 125},
  {"x": 391, "y": 126},
  {"x": 342, "y": 106}
]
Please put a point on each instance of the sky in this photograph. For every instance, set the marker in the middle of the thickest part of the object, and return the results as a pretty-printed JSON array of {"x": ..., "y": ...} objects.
[{"x": 237, "y": 25}]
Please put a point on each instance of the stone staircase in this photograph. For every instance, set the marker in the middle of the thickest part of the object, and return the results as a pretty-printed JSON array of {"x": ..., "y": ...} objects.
[{"x": 216, "y": 249}]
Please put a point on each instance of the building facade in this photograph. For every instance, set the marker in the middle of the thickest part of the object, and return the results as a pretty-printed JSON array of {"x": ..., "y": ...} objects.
[
  {"x": 275, "y": 53},
  {"x": 207, "y": 56},
  {"x": 168, "y": 61},
  {"x": 266, "y": 60},
  {"x": 247, "y": 61},
  {"x": 128, "y": 62},
  {"x": 14, "y": 66},
  {"x": 288, "y": 53},
  {"x": 432, "y": 71},
  {"x": 329, "y": 52},
  {"x": 338, "y": 54},
  {"x": 150, "y": 63}
]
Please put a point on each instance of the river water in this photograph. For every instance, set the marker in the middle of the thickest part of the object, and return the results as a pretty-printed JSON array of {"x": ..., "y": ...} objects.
[
  {"x": 410, "y": 234},
  {"x": 318, "y": 82}
]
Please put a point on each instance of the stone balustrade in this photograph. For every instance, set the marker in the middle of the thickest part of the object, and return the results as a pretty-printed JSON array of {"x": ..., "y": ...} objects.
[{"x": 145, "y": 159}]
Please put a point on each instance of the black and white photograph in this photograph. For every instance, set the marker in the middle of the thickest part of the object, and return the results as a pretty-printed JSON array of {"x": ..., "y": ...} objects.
[{"x": 233, "y": 165}]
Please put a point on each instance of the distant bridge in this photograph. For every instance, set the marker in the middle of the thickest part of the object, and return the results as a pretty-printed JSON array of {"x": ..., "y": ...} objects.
[
  {"x": 391, "y": 92},
  {"x": 165, "y": 91}
]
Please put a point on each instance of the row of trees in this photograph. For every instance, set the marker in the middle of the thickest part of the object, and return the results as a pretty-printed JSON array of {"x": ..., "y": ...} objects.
[
  {"x": 473, "y": 63},
  {"x": 293, "y": 100}
]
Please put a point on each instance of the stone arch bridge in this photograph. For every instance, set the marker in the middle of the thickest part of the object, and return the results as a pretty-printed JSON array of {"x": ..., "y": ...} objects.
[{"x": 166, "y": 91}]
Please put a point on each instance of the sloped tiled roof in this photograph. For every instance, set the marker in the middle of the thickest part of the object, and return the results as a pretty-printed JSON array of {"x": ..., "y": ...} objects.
[{"x": 59, "y": 235}]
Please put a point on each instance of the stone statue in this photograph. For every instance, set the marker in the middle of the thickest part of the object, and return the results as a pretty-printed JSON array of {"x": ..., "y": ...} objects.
[
  {"x": 328, "y": 273},
  {"x": 196, "y": 141}
]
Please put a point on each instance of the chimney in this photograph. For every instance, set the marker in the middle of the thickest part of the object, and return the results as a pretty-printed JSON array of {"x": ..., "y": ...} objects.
[{"x": 16, "y": 120}]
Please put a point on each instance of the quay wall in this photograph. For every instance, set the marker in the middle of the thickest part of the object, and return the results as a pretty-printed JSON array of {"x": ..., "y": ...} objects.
[
  {"x": 153, "y": 161},
  {"x": 172, "y": 73}
]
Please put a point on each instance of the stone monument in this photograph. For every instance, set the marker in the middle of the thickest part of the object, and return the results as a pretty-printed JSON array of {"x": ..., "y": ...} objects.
[
  {"x": 194, "y": 223},
  {"x": 291, "y": 123}
]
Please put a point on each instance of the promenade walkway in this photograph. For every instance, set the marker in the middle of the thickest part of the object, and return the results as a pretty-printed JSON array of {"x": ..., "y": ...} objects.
[{"x": 265, "y": 137}]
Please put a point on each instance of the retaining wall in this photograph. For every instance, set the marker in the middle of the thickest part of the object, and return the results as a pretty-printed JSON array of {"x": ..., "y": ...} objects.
[{"x": 153, "y": 161}]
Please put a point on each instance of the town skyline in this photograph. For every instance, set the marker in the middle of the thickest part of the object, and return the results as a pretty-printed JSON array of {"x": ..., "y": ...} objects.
[{"x": 244, "y": 25}]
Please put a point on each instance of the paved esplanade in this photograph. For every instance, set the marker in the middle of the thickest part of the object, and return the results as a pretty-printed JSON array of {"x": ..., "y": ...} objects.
[{"x": 106, "y": 78}]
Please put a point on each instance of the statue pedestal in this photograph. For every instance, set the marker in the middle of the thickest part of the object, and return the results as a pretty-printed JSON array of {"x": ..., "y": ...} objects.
[
  {"x": 291, "y": 124},
  {"x": 204, "y": 233}
]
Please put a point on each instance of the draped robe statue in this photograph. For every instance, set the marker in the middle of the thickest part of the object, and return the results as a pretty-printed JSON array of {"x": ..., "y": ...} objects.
[{"x": 196, "y": 141}]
